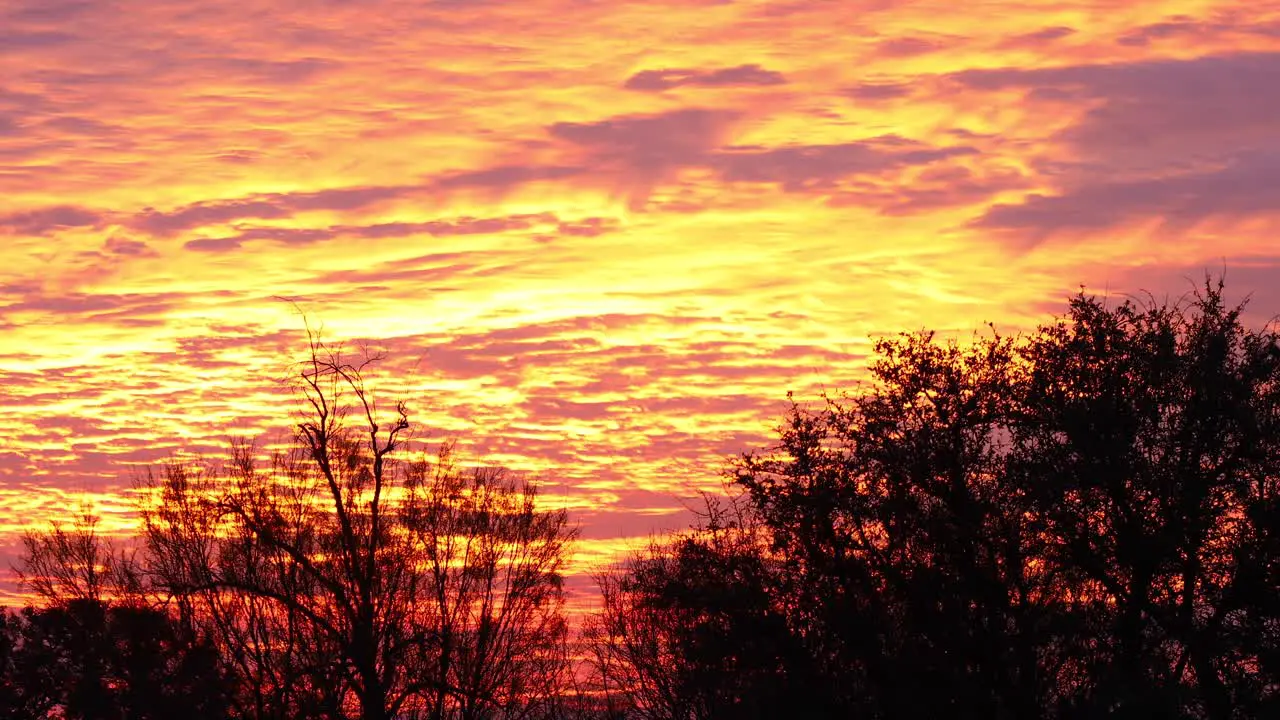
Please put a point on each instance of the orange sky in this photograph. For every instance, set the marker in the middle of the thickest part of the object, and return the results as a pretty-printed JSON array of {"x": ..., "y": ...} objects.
[{"x": 600, "y": 240}]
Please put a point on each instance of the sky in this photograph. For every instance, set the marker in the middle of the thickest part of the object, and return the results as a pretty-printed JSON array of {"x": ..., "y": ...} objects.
[{"x": 598, "y": 241}]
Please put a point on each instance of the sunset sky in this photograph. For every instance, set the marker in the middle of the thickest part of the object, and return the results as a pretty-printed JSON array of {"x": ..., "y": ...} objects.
[{"x": 599, "y": 240}]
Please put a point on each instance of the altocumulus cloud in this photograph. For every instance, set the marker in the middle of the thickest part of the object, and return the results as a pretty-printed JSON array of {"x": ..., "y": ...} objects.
[
  {"x": 740, "y": 75},
  {"x": 1248, "y": 185},
  {"x": 1157, "y": 109},
  {"x": 48, "y": 220}
]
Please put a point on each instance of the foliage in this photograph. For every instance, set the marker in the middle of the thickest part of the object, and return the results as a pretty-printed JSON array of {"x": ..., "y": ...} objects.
[
  {"x": 1075, "y": 523},
  {"x": 87, "y": 660}
]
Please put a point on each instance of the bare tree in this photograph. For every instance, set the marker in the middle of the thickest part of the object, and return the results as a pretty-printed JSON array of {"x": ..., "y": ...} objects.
[
  {"x": 343, "y": 579},
  {"x": 75, "y": 562},
  {"x": 492, "y": 592}
]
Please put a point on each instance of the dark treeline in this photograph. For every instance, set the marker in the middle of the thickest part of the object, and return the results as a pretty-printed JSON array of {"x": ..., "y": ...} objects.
[{"x": 1080, "y": 522}]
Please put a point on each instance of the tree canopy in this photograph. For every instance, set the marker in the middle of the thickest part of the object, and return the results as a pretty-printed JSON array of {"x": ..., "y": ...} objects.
[{"x": 1077, "y": 522}]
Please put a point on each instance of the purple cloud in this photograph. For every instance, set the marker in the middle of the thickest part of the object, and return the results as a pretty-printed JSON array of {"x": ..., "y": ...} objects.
[
  {"x": 879, "y": 91},
  {"x": 116, "y": 245},
  {"x": 212, "y": 244},
  {"x": 279, "y": 206},
  {"x": 1040, "y": 37},
  {"x": 47, "y": 220},
  {"x": 505, "y": 176},
  {"x": 804, "y": 167},
  {"x": 649, "y": 141},
  {"x": 1158, "y": 111},
  {"x": 907, "y": 47},
  {"x": 1192, "y": 30},
  {"x": 639, "y": 151},
  {"x": 1247, "y": 186},
  {"x": 14, "y": 40},
  {"x": 101, "y": 306},
  {"x": 378, "y": 231},
  {"x": 269, "y": 72},
  {"x": 49, "y": 11},
  {"x": 741, "y": 75},
  {"x": 206, "y": 213},
  {"x": 273, "y": 206},
  {"x": 587, "y": 227}
]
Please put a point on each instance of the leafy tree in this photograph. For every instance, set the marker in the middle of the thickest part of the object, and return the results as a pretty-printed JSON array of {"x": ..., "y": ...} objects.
[
  {"x": 89, "y": 660},
  {"x": 1152, "y": 453},
  {"x": 1075, "y": 523},
  {"x": 693, "y": 629}
]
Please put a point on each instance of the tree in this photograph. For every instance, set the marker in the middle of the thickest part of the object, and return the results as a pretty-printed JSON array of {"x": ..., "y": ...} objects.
[
  {"x": 345, "y": 579},
  {"x": 76, "y": 563},
  {"x": 1078, "y": 522},
  {"x": 1157, "y": 430},
  {"x": 692, "y": 628},
  {"x": 89, "y": 660}
]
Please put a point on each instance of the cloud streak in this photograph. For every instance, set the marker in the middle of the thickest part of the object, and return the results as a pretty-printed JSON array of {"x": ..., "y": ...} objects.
[{"x": 750, "y": 75}]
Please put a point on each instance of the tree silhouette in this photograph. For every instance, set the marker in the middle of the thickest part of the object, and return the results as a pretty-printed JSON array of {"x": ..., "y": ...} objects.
[
  {"x": 89, "y": 660},
  {"x": 340, "y": 578},
  {"x": 76, "y": 563},
  {"x": 344, "y": 579},
  {"x": 1153, "y": 459},
  {"x": 693, "y": 628},
  {"x": 1075, "y": 523}
]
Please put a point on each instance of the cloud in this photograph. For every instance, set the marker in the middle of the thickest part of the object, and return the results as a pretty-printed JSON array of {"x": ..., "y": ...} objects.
[
  {"x": 14, "y": 41},
  {"x": 654, "y": 147},
  {"x": 587, "y": 227},
  {"x": 1179, "y": 140},
  {"x": 1249, "y": 185},
  {"x": 269, "y": 72},
  {"x": 1186, "y": 29},
  {"x": 1033, "y": 40},
  {"x": 804, "y": 167},
  {"x": 503, "y": 177},
  {"x": 206, "y": 213},
  {"x": 908, "y": 47},
  {"x": 281, "y": 206},
  {"x": 117, "y": 245},
  {"x": 740, "y": 75},
  {"x": 482, "y": 226},
  {"x": 49, "y": 11},
  {"x": 217, "y": 245},
  {"x": 945, "y": 185},
  {"x": 878, "y": 91},
  {"x": 639, "y": 151},
  {"x": 48, "y": 220},
  {"x": 121, "y": 308},
  {"x": 80, "y": 126},
  {"x": 649, "y": 141},
  {"x": 420, "y": 272},
  {"x": 1157, "y": 111},
  {"x": 377, "y": 231},
  {"x": 272, "y": 206}
]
